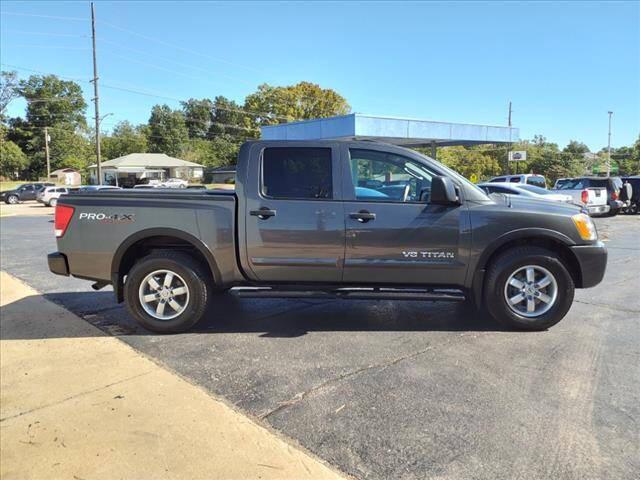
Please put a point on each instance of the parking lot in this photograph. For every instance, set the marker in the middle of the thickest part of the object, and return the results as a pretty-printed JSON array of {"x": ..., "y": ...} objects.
[{"x": 386, "y": 389}]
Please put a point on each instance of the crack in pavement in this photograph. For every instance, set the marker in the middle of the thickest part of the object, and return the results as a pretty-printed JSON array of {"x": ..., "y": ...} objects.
[
  {"x": 77, "y": 395},
  {"x": 383, "y": 365},
  {"x": 610, "y": 307}
]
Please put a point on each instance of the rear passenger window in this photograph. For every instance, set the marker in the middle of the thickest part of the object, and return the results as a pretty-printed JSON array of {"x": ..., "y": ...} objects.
[
  {"x": 61, "y": 190},
  {"x": 297, "y": 173},
  {"x": 515, "y": 180},
  {"x": 537, "y": 181}
]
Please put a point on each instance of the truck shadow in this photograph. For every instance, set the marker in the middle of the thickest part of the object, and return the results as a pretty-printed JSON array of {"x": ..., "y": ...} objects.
[{"x": 268, "y": 318}]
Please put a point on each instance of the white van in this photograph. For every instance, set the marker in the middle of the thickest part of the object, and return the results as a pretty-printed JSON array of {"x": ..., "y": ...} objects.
[{"x": 527, "y": 178}]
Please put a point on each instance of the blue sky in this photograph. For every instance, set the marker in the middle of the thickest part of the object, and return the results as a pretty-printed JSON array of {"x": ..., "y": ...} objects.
[{"x": 563, "y": 64}]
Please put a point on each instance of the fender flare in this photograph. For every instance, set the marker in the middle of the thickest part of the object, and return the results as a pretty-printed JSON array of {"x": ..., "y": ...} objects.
[
  {"x": 477, "y": 280},
  {"x": 116, "y": 278}
]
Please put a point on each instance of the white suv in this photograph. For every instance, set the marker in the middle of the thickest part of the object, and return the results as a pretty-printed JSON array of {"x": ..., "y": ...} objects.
[
  {"x": 526, "y": 178},
  {"x": 49, "y": 195}
]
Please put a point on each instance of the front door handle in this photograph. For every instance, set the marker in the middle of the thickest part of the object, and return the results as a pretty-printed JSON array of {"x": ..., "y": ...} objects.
[
  {"x": 263, "y": 214},
  {"x": 363, "y": 216}
]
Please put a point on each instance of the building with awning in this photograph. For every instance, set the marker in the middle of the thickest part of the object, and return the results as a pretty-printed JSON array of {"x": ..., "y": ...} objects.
[
  {"x": 405, "y": 132},
  {"x": 136, "y": 168}
]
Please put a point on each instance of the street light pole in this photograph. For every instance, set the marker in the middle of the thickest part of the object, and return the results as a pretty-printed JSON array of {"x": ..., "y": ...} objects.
[
  {"x": 46, "y": 152},
  {"x": 95, "y": 91},
  {"x": 609, "y": 147}
]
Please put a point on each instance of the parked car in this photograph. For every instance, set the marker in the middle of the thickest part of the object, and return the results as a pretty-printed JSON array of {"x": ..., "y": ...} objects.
[
  {"x": 526, "y": 178},
  {"x": 48, "y": 196},
  {"x": 24, "y": 192},
  {"x": 634, "y": 199},
  {"x": 526, "y": 191},
  {"x": 611, "y": 185},
  {"x": 297, "y": 225},
  {"x": 146, "y": 186},
  {"x": 175, "y": 183},
  {"x": 593, "y": 199},
  {"x": 97, "y": 188}
]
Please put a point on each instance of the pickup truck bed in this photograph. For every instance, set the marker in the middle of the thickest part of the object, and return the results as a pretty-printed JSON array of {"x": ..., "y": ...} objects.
[{"x": 345, "y": 218}]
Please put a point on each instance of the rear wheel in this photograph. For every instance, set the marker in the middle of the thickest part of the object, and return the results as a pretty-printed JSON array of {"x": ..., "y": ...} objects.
[
  {"x": 12, "y": 199},
  {"x": 528, "y": 288},
  {"x": 167, "y": 292}
]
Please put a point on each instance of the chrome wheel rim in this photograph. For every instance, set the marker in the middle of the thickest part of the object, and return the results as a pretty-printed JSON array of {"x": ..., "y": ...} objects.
[
  {"x": 13, "y": 200},
  {"x": 53, "y": 202},
  {"x": 531, "y": 291},
  {"x": 164, "y": 294}
]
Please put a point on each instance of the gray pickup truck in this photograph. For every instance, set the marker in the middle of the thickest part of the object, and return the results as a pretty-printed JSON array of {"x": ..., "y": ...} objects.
[{"x": 347, "y": 219}]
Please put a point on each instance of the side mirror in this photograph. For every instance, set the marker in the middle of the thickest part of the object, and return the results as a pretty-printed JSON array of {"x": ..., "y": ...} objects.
[{"x": 443, "y": 191}]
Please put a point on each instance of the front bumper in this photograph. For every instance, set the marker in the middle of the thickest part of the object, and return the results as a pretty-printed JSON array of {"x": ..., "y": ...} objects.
[
  {"x": 592, "y": 260},
  {"x": 58, "y": 263}
]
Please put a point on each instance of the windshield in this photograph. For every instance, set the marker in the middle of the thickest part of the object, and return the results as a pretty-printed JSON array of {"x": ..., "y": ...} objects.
[
  {"x": 457, "y": 176},
  {"x": 534, "y": 189}
]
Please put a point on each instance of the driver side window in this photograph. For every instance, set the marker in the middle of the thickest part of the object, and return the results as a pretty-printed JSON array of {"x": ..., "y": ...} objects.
[{"x": 387, "y": 177}]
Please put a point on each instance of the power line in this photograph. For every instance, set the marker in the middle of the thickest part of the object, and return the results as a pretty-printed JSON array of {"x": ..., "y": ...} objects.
[
  {"x": 162, "y": 97},
  {"x": 181, "y": 64},
  {"x": 187, "y": 50},
  {"x": 47, "y": 34},
  {"x": 55, "y": 17},
  {"x": 158, "y": 67},
  {"x": 59, "y": 47}
]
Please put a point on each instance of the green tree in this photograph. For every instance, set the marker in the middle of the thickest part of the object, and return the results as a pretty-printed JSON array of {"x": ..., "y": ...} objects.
[
  {"x": 12, "y": 160},
  {"x": 229, "y": 118},
  {"x": 469, "y": 161},
  {"x": 53, "y": 102},
  {"x": 198, "y": 116},
  {"x": 167, "y": 131},
  {"x": 67, "y": 149},
  {"x": 124, "y": 139},
  {"x": 576, "y": 148},
  {"x": 221, "y": 151},
  {"x": 272, "y": 105},
  {"x": 627, "y": 158},
  {"x": 8, "y": 90}
]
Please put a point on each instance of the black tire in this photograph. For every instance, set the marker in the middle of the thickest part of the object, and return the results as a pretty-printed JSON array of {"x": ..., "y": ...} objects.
[
  {"x": 12, "y": 200},
  {"x": 53, "y": 202},
  {"x": 196, "y": 278},
  {"x": 509, "y": 262}
]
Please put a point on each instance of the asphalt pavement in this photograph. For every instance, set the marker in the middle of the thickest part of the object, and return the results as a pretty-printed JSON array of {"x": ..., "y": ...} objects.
[{"x": 390, "y": 389}]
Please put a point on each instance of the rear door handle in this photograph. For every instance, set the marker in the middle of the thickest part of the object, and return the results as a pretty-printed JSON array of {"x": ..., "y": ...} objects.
[
  {"x": 263, "y": 214},
  {"x": 363, "y": 216}
]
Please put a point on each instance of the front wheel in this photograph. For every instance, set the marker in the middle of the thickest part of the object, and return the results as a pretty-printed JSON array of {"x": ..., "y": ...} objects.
[
  {"x": 53, "y": 202},
  {"x": 528, "y": 288},
  {"x": 167, "y": 292},
  {"x": 12, "y": 199}
]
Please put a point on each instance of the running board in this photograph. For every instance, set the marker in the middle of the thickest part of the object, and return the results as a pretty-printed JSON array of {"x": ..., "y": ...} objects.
[{"x": 431, "y": 295}]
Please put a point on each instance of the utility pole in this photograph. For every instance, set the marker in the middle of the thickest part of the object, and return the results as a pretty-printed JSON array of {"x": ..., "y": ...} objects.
[
  {"x": 46, "y": 152},
  {"x": 95, "y": 92},
  {"x": 609, "y": 147},
  {"x": 509, "y": 152}
]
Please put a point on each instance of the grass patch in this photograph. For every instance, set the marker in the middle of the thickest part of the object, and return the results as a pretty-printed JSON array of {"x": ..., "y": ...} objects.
[{"x": 9, "y": 185}]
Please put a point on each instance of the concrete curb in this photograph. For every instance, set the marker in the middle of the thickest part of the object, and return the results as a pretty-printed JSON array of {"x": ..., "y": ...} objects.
[{"x": 75, "y": 402}]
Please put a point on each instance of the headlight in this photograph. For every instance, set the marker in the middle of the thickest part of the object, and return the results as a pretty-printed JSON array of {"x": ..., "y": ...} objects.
[{"x": 584, "y": 225}]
